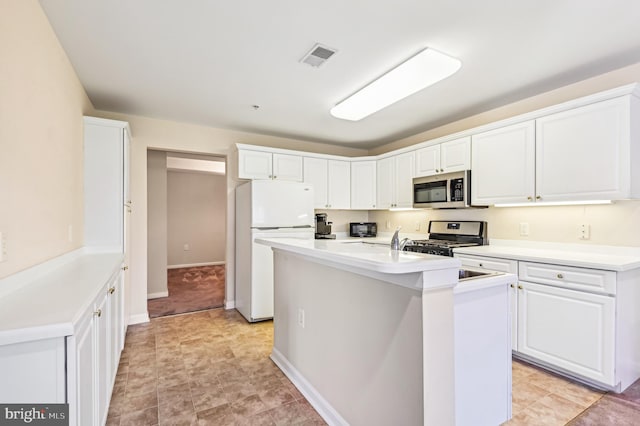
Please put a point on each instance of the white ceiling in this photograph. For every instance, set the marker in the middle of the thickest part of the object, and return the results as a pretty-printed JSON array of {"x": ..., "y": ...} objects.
[{"x": 208, "y": 62}]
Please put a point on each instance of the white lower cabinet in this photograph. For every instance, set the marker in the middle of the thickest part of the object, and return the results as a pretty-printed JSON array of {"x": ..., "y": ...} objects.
[
  {"x": 500, "y": 265},
  {"x": 94, "y": 355},
  {"x": 578, "y": 321},
  {"x": 569, "y": 329}
]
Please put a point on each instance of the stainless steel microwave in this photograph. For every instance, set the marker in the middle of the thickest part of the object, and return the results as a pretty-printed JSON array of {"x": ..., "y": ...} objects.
[{"x": 443, "y": 191}]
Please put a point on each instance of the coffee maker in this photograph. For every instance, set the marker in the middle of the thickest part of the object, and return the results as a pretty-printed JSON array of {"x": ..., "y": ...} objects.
[{"x": 323, "y": 227}]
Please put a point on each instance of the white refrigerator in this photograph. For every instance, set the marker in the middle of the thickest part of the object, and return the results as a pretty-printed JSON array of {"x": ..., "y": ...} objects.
[{"x": 266, "y": 209}]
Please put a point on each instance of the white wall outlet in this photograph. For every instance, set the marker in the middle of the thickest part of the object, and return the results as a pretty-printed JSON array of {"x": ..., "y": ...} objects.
[
  {"x": 186, "y": 247},
  {"x": 524, "y": 229},
  {"x": 301, "y": 317},
  {"x": 584, "y": 231},
  {"x": 3, "y": 246},
  {"x": 417, "y": 226},
  {"x": 388, "y": 224}
]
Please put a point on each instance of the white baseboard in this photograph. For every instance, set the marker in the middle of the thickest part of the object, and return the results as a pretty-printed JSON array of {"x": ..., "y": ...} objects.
[
  {"x": 321, "y": 405},
  {"x": 157, "y": 295},
  {"x": 193, "y": 265},
  {"x": 229, "y": 304},
  {"x": 139, "y": 318}
]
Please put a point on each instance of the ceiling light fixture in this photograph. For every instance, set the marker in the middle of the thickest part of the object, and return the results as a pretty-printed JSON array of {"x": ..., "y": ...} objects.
[{"x": 418, "y": 72}]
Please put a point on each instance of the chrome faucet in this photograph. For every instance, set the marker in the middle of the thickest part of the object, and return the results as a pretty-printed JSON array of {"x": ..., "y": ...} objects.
[{"x": 396, "y": 242}]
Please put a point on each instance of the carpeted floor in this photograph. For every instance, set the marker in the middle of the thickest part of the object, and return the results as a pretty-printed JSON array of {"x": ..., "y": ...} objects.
[{"x": 190, "y": 289}]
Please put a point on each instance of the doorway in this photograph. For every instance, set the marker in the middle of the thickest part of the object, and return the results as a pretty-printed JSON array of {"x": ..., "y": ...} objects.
[{"x": 186, "y": 234}]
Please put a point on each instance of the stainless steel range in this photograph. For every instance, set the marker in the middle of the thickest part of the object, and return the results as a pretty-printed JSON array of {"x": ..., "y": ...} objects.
[{"x": 444, "y": 236}]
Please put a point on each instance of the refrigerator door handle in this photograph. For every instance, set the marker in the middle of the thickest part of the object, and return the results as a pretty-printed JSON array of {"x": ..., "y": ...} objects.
[
  {"x": 303, "y": 226},
  {"x": 267, "y": 228}
]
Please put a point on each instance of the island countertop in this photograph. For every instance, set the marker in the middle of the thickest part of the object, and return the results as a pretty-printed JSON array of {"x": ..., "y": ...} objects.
[{"x": 372, "y": 256}]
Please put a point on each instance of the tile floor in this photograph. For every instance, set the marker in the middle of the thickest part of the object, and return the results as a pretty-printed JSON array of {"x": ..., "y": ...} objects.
[
  {"x": 204, "y": 368},
  {"x": 213, "y": 368},
  {"x": 190, "y": 289},
  {"x": 543, "y": 398}
]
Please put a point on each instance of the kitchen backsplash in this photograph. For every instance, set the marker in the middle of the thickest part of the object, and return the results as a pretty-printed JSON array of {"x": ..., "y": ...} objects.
[{"x": 615, "y": 224}]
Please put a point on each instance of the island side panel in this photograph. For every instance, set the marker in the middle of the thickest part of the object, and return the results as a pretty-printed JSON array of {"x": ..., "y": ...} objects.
[{"x": 361, "y": 344}]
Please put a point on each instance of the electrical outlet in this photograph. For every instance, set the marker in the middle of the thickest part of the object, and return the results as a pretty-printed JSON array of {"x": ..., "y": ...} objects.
[
  {"x": 417, "y": 226},
  {"x": 301, "y": 317},
  {"x": 524, "y": 229},
  {"x": 388, "y": 224},
  {"x": 186, "y": 247},
  {"x": 3, "y": 246},
  {"x": 584, "y": 231}
]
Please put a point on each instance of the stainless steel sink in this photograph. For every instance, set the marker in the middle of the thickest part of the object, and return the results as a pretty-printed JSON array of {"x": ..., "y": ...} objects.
[{"x": 467, "y": 274}]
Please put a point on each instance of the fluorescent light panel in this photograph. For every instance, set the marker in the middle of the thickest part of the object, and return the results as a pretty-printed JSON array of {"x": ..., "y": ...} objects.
[
  {"x": 420, "y": 71},
  {"x": 555, "y": 203}
]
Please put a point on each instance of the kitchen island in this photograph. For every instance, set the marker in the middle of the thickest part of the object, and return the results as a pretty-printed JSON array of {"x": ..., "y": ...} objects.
[{"x": 375, "y": 336}]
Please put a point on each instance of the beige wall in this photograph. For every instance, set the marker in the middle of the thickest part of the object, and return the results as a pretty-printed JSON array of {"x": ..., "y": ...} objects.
[
  {"x": 196, "y": 205},
  {"x": 157, "y": 224},
  {"x": 41, "y": 107}
]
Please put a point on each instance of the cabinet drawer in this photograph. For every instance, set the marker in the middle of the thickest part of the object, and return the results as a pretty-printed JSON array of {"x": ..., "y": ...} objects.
[
  {"x": 489, "y": 263},
  {"x": 593, "y": 280}
]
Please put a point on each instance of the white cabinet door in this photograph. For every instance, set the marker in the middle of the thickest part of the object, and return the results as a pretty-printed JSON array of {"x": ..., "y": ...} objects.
[
  {"x": 428, "y": 161},
  {"x": 499, "y": 265},
  {"x": 581, "y": 153},
  {"x": 104, "y": 183},
  {"x": 385, "y": 182},
  {"x": 82, "y": 389},
  {"x": 339, "y": 177},
  {"x": 363, "y": 185},
  {"x": 503, "y": 165},
  {"x": 114, "y": 322},
  {"x": 569, "y": 329},
  {"x": 254, "y": 164},
  {"x": 101, "y": 325},
  {"x": 403, "y": 179},
  {"x": 287, "y": 167},
  {"x": 455, "y": 155},
  {"x": 394, "y": 178},
  {"x": 315, "y": 173}
]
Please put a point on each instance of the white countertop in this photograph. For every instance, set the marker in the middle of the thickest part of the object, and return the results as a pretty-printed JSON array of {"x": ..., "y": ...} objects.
[
  {"x": 51, "y": 297},
  {"x": 612, "y": 258},
  {"x": 370, "y": 254}
]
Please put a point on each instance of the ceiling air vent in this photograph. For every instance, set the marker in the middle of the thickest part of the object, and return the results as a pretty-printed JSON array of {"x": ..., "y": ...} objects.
[{"x": 318, "y": 55}]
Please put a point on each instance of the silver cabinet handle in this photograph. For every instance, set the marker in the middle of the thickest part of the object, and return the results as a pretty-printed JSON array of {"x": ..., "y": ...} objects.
[
  {"x": 520, "y": 287},
  {"x": 560, "y": 276},
  {"x": 481, "y": 265},
  {"x": 98, "y": 313}
]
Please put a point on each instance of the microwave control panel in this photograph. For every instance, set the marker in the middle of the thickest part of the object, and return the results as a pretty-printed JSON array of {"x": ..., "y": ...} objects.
[{"x": 457, "y": 189}]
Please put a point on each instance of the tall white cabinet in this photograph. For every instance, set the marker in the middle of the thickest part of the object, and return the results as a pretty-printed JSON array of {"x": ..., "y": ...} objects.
[
  {"x": 394, "y": 181},
  {"x": 330, "y": 180}
]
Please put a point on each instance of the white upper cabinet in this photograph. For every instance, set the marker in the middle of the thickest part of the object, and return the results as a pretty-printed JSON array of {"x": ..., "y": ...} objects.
[
  {"x": 503, "y": 165},
  {"x": 287, "y": 167},
  {"x": 331, "y": 182},
  {"x": 428, "y": 161},
  {"x": 394, "y": 181},
  {"x": 580, "y": 154},
  {"x": 584, "y": 153},
  {"x": 452, "y": 156},
  {"x": 363, "y": 185},
  {"x": 267, "y": 165},
  {"x": 106, "y": 182}
]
